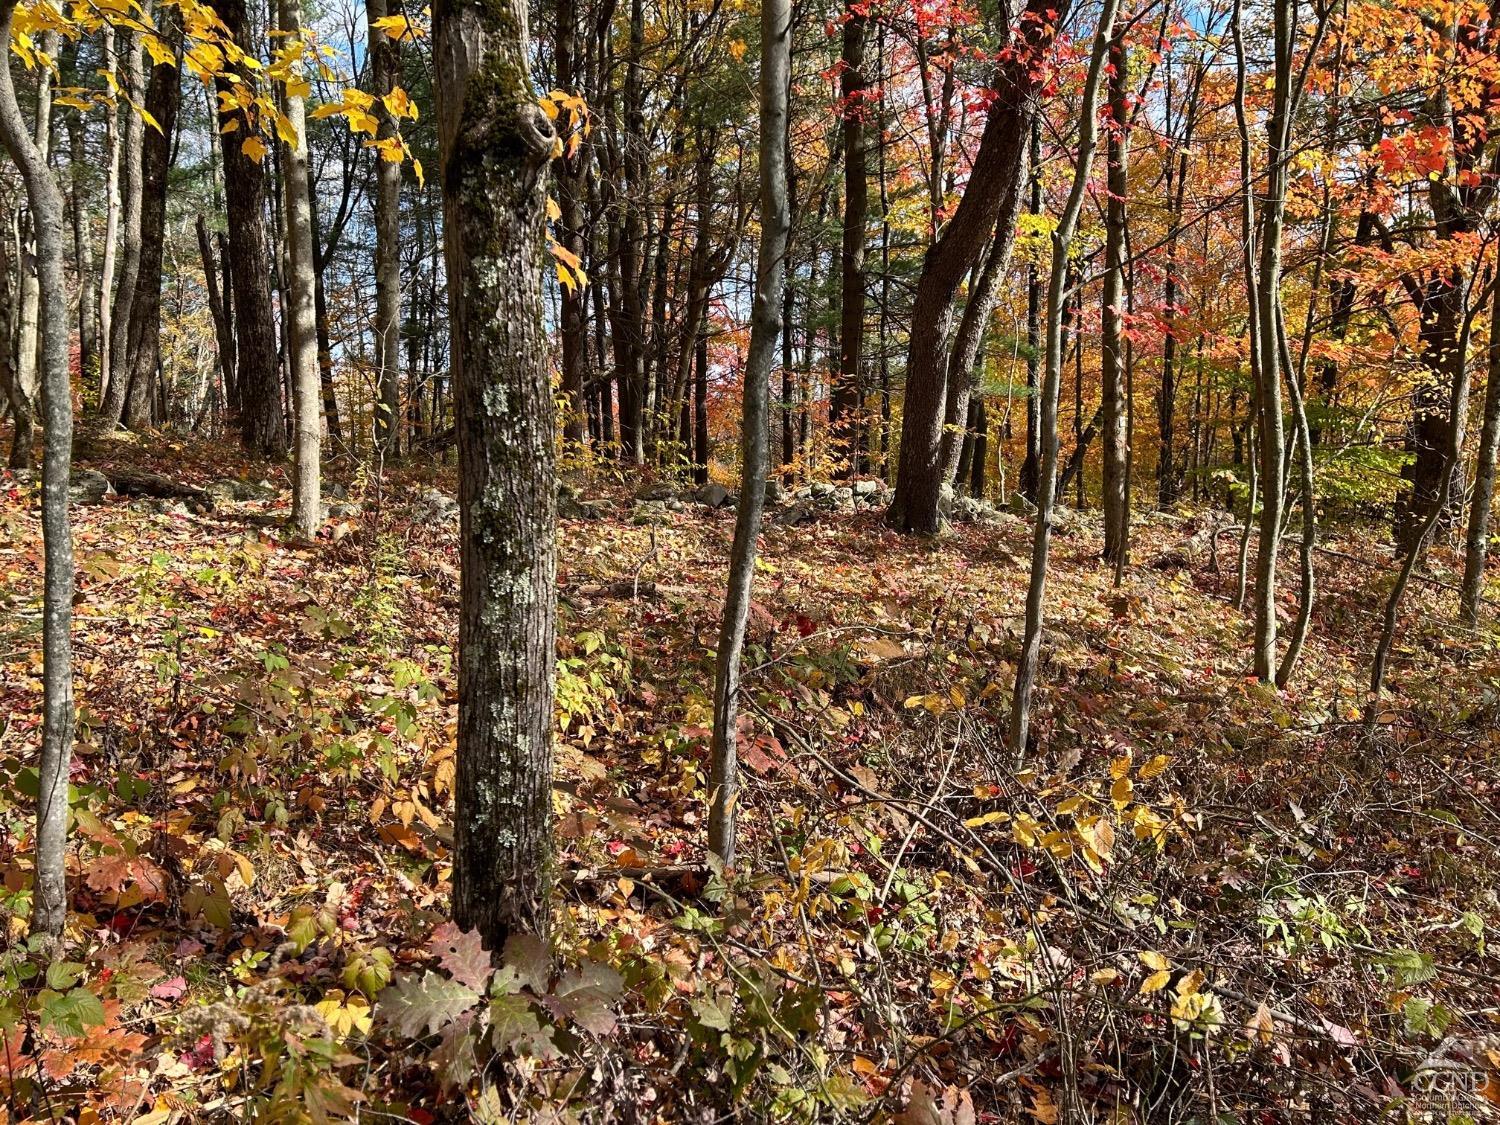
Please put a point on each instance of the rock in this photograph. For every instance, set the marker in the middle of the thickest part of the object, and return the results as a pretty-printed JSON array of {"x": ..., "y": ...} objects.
[
  {"x": 775, "y": 492},
  {"x": 650, "y": 513},
  {"x": 795, "y": 515},
  {"x": 570, "y": 506},
  {"x": 239, "y": 491},
  {"x": 661, "y": 490},
  {"x": 803, "y": 493},
  {"x": 946, "y": 498},
  {"x": 88, "y": 486},
  {"x": 820, "y": 488},
  {"x": 338, "y": 492},
  {"x": 1021, "y": 506},
  {"x": 866, "y": 487},
  {"x": 341, "y": 510},
  {"x": 433, "y": 505},
  {"x": 712, "y": 495}
]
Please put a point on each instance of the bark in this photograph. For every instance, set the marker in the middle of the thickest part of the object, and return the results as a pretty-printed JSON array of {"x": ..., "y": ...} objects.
[
  {"x": 496, "y": 143},
  {"x": 27, "y": 375},
  {"x": 1062, "y": 237},
  {"x": 163, "y": 95},
  {"x": 765, "y": 325},
  {"x": 83, "y": 248},
  {"x": 1112, "y": 366},
  {"x": 990, "y": 202},
  {"x": 701, "y": 447},
  {"x": 301, "y": 313},
  {"x": 111, "y": 219},
  {"x": 50, "y": 901},
  {"x": 223, "y": 335},
  {"x": 20, "y": 409},
  {"x": 571, "y": 177},
  {"x": 1031, "y": 466},
  {"x": 844, "y": 402},
  {"x": 262, "y": 426},
  {"x": 964, "y": 357},
  {"x": 385, "y": 71},
  {"x": 320, "y": 311},
  {"x": 1476, "y": 544},
  {"x": 131, "y": 199}
]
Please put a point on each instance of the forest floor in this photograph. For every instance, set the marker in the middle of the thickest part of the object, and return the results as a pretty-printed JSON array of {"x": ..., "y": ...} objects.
[{"x": 1198, "y": 899}]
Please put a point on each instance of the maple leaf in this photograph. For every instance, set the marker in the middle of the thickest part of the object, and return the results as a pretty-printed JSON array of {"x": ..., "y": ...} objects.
[
  {"x": 462, "y": 954},
  {"x": 418, "y": 1006}
]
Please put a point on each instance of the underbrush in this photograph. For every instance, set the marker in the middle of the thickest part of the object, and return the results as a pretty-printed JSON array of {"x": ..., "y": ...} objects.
[{"x": 1198, "y": 900}]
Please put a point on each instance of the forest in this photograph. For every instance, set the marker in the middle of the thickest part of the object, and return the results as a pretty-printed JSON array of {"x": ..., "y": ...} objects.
[{"x": 875, "y": 561}]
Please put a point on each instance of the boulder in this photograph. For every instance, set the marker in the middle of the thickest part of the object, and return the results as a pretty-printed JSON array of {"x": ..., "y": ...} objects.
[
  {"x": 88, "y": 486},
  {"x": 659, "y": 490},
  {"x": 648, "y": 513},
  {"x": 775, "y": 492},
  {"x": 238, "y": 491},
  {"x": 712, "y": 495},
  {"x": 866, "y": 487},
  {"x": 570, "y": 506},
  {"x": 434, "y": 505}
]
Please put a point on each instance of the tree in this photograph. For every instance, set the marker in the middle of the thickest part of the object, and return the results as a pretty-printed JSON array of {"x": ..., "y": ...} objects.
[
  {"x": 50, "y": 902},
  {"x": 765, "y": 326},
  {"x": 301, "y": 315},
  {"x": 496, "y": 143},
  {"x": 143, "y": 356},
  {"x": 990, "y": 202},
  {"x": 1112, "y": 373},
  {"x": 844, "y": 402},
  {"x": 257, "y": 370},
  {"x": 132, "y": 197},
  {"x": 1057, "y": 302},
  {"x": 385, "y": 72}
]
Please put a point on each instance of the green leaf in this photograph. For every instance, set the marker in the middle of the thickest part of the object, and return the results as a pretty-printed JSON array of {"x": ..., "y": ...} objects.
[{"x": 71, "y": 1013}]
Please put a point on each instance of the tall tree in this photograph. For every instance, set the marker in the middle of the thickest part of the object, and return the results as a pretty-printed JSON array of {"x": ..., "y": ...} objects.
[
  {"x": 765, "y": 326},
  {"x": 261, "y": 424},
  {"x": 991, "y": 201},
  {"x": 1057, "y": 302},
  {"x": 1112, "y": 355},
  {"x": 163, "y": 94},
  {"x": 844, "y": 403},
  {"x": 385, "y": 75},
  {"x": 132, "y": 147},
  {"x": 43, "y": 196},
  {"x": 496, "y": 143},
  {"x": 301, "y": 313}
]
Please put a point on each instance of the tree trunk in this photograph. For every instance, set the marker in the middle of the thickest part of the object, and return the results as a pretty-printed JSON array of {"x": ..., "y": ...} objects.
[
  {"x": 132, "y": 151},
  {"x": 571, "y": 177},
  {"x": 385, "y": 74},
  {"x": 964, "y": 357},
  {"x": 27, "y": 376},
  {"x": 765, "y": 324},
  {"x": 1112, "y": 366},
  {"x": 496, "y": 143},
  {"x": 1031, "y": 466},
  {"x": 83, "y": 249},
  {"x": 991, "y": 201},
  {"x": 111, "y": 218},
  {"x": 844, "y": 402},
  {"x": 1476, "y": 544},
  {"x": 1062, "y": 238},
  {"x": 50, "y": 902},
  {"x": 301, "y": 313},
  {"x": 262, "y": 426},
  {"x": 143, "y": 336}
]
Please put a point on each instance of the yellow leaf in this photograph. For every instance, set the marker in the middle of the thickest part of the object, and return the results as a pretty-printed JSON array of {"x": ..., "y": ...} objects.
[
  {"x": 1120, "y": 766},
  {"x": 987, "y": 818},
  {"x": 1153, "y": 960},
  {"x": 1120, "y": 792},
  {"x": 1155, "y": 982},
  {"x": 254, "y": 149},
  {"x": 554, "y": 212},
  {"x": 1155, "y": 766}
]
